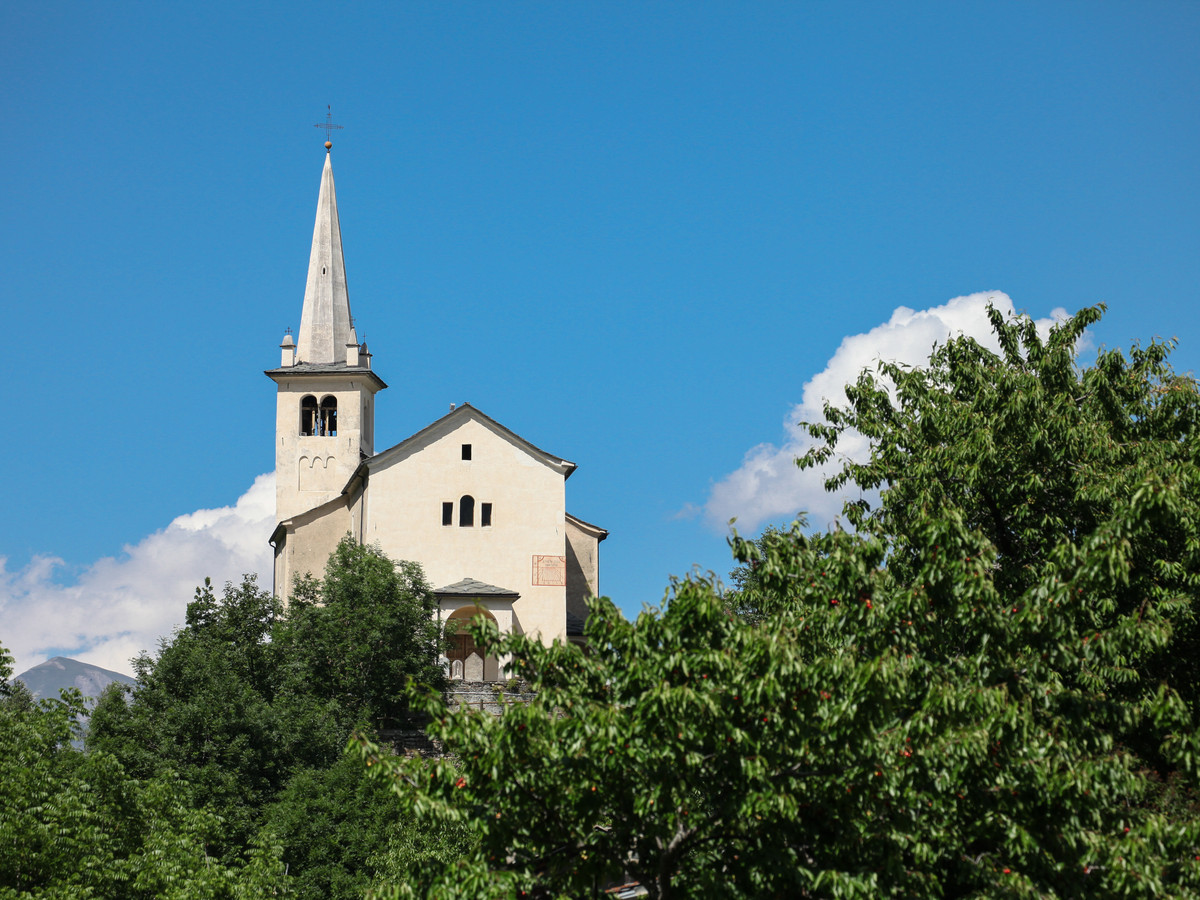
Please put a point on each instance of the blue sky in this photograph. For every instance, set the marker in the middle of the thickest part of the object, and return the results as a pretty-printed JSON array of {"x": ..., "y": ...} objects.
[{"x": 633, "y": 233}]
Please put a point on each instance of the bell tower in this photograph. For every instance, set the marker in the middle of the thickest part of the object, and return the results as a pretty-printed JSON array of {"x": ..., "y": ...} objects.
[{"x": 325, "y": 401}]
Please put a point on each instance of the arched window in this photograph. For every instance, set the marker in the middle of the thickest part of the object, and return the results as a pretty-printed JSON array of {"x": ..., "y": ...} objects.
[
  {"x": 308, "y": 416},
  {"x": 329, "y": 416},
  {"x": 466, "y": 511}
]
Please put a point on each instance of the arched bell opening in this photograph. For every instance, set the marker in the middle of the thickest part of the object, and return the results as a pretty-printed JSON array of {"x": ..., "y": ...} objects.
[
  {"x": 328, "y": 423},
  {"x": 308, "y": 416}
]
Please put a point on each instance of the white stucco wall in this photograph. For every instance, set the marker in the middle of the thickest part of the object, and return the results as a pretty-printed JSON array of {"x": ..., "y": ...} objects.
[
  {"x": 583, "y": 567},
  {"x": 307, "y": 543},
  {"x": 528, "y": 496},
  {"x": 311, "y": 470}
]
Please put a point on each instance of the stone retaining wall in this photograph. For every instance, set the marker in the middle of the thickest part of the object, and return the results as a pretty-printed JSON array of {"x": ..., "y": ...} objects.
[
  {"x": 485, "y": 696},
  {"x": 410, "y": 738}
]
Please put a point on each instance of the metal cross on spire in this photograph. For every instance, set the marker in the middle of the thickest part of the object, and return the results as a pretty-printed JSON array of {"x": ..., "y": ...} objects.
[{"x": 328, "y": 124}]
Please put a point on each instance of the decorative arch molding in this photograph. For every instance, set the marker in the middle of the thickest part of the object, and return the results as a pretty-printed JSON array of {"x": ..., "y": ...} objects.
[{"x": 317, "y": 472}]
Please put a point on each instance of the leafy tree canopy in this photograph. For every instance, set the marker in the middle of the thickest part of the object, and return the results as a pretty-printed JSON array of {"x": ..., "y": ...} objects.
[
  {"x": 353, "y": 639},
  {"x": 983, "y": 690},
  {"x": 75, "y": 825},
  {"x": 248, "y": 707}
]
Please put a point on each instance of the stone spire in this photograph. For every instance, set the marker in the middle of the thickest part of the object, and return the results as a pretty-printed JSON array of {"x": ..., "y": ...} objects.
[{"x": 325, "y": 325}]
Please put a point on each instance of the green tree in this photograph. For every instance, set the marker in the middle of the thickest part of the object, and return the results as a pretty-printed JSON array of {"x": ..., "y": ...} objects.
[
  {"x": 967, "y": 696},
  {"x": 347, "y": 646},
  {"x": 203, "y": 709},
  {"x": 747, "y": 599},
  {"x": 1036, "y": 456},
  {"x": 353, "y": 639},
  {"x": 338, "y": 827},
  {"x": 249, "y": 706},
  {"x": 75, "y": 825}
]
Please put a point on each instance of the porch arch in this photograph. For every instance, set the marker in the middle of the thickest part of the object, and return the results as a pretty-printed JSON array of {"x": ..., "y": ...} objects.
[
  {"x": 466, "y": 658},
  {"x": 461, "y": 602}
]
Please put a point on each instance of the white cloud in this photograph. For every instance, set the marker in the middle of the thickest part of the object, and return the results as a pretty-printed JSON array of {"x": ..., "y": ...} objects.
[
  {"x": 769, "y": 487},
  {"x": 118, "y": 607}
]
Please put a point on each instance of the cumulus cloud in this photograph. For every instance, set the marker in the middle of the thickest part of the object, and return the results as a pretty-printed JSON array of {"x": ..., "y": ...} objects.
[
  {"x": 769, "y": 487},
  {"x": 119, "y": 606}
]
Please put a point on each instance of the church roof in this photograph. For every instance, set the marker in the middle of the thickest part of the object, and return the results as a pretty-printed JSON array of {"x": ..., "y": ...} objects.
[
  {"x": 325, "y": 324},
  {"x": 595, "y": 530},
  {"x": 315, "y": 370},
  {"x": 464, "y": 411},
  {"x": 469, "y": 587}
]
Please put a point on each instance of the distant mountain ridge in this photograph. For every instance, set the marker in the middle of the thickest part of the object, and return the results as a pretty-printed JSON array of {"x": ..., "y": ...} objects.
[{"x": 62, "y": 672}]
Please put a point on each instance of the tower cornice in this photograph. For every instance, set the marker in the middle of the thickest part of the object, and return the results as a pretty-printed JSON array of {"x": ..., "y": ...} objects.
[{"x": 309, "y": 371}]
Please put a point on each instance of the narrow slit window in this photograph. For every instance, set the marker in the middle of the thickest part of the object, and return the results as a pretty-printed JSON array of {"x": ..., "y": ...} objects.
[
  {"x": 466, "y": 511},
  {"x": 448, "y": 512},
  {"x": 466, "y": 451},
  {"x": 485, "y": 515}
]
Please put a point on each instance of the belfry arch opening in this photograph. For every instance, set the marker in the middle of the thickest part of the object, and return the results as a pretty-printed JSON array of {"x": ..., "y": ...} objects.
[
  {"x": 328, "y": 423},
  {"x": 466, "y": 659},
  {"x": 318, "y": 420},
  {"x": 308, "y": 415}
]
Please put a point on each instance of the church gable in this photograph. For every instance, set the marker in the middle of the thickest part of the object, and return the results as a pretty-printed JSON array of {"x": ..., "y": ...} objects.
[
  {"x": 465, "y": 421},
  {"x": 469, "y": 498},
  {"x": 465, "y": 472}
]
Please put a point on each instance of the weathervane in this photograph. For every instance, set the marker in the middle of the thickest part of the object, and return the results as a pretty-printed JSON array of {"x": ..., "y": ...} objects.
[{"x": 328, "y": 126}]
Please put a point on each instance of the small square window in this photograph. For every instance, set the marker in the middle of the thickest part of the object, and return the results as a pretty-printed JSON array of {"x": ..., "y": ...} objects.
[
  {"x": 485, "y": 514},
  {"x": 448, "y": 513},
  {"x": 466, "y": 451}
]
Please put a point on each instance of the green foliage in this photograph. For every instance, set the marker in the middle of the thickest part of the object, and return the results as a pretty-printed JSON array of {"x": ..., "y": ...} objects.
[
  {"x": 1041, "y": 460},
  {"x": 984, "y": 691},
  {"x": 748, "y": 600},
  {"x": 334, "y": 821},
  {"x": 415, "y": 849},
  {"x": 353, "y": 639},
  {"x": 75, "y": 825},
  {"x": 203, "y": 709},
  {"x": 247, "y": 710}
]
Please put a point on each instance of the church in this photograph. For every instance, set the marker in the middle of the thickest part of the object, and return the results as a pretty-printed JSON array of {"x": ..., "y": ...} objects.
[{"x": 481, "y": 508}]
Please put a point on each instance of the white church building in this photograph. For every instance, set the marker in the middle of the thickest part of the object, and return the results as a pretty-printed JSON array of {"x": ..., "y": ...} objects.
[{"x": 479, "y": 507}]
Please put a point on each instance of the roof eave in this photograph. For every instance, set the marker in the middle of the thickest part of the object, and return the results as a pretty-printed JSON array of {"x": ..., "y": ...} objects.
[
  {"x": 563, "y": 465},
  {"x": 292, "y": 373},
  {"x": 595, "y": 530}
]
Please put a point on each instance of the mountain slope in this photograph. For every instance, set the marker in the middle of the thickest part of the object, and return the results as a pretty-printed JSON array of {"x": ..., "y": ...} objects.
[{"x": 60, "y": 672}]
